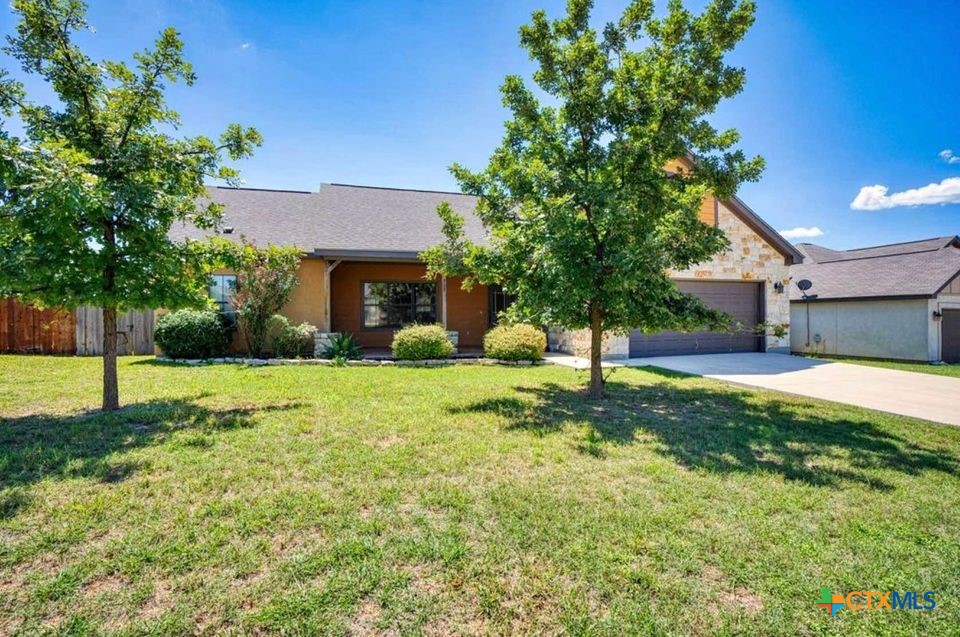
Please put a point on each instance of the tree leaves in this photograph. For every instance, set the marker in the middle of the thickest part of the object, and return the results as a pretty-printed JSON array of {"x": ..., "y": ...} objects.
[
  {"x": 266, "y": 279},
  {"x": 578, "y": 207},
  {"x": 91, "y": 192}
]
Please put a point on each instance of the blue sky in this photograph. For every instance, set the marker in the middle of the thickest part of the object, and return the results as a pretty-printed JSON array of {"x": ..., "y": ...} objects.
[{"x": 840, "y": 96}]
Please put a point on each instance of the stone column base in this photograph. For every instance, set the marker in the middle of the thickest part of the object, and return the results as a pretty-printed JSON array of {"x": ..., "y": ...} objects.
[
  {"x": 321, "y": 341},
  {"x": 577, "y": 343},
  {"x": 455, "y": 339}
]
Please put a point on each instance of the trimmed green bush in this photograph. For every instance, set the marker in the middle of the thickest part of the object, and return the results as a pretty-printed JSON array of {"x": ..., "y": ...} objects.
[
  {"x": 520, "y": 342},
  {"x": 191, "y": 334},
  {"x": 421, "y": 342},
  {"x": 291, "y": 341}
]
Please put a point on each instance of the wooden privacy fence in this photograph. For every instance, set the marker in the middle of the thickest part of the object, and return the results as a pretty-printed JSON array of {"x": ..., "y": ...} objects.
[
  {"x": 134, "y": 332},
  {"x": 25, "y": 329}
]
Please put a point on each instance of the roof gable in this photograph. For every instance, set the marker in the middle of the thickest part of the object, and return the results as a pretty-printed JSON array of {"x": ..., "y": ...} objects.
[{"x": 743, "y": 212}]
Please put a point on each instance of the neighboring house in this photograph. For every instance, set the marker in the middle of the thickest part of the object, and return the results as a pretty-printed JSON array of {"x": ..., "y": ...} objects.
[
  {"x": 899, "y": 301},
  {"x": 361, "y": 272}
]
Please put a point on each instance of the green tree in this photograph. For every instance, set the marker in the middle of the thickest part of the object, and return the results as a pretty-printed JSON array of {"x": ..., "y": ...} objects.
[
  {"x": 92, "y": 188},
  {"x": 266, "y": 279},
  {"x": 584, "y": 221}
]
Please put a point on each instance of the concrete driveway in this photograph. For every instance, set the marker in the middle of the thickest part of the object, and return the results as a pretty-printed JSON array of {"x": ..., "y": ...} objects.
[{"x": 904, "y": 393}]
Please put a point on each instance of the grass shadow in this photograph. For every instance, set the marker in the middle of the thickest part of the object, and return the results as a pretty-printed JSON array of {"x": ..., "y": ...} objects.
[
  {"x": 38, "y": 447},
  {"x": 721, "y": 429}
]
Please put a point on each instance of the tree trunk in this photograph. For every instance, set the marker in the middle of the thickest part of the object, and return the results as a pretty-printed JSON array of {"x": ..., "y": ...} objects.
[
  {"x": 596, "y": 353},
  {"x": 111, "y": 399}
]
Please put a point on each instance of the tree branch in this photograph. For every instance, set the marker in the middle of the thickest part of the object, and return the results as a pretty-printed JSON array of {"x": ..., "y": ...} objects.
[
  {"x": 147, "y": 87},
  {"x": 64, "y": 41}
]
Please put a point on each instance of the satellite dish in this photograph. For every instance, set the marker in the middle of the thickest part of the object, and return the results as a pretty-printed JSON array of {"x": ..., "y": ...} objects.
[{"x": 804, "y": 284}]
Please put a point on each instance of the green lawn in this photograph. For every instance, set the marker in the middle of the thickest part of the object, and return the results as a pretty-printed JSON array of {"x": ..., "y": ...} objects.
[
  {"x": 923, "y": 368},
  {"x": 459, "y": 500}
]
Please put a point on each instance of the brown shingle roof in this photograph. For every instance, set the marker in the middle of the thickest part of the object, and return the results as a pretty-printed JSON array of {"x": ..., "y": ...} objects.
[
  {"x": 339, "y": 218},
  {"x": 911, "y": 269},
  {"x": 346, "y": 220}
]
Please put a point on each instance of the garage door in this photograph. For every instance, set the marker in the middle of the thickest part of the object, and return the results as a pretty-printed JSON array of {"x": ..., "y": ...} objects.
[
  {"x": 950, "y": 336},
  {"x": 741, "y": 300}
]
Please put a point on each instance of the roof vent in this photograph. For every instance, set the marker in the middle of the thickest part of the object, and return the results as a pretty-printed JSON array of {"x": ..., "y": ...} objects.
[{"x": 228, "y": 230}]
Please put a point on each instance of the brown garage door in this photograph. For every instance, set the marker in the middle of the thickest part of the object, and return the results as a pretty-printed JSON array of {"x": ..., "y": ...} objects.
[
  {"x": 741, "y": 300},
  {"x": 950, "y": 336}
]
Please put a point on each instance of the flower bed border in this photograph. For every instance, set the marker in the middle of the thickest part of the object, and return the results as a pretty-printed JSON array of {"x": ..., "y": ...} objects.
[{"x": 365, "y": 362}]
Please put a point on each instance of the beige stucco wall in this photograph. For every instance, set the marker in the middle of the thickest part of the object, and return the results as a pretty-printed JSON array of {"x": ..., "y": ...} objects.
[
  {"x": 309, "y": 302},
  {"x": 749, "y": 258},
  {"x": 872, "y": 329}
]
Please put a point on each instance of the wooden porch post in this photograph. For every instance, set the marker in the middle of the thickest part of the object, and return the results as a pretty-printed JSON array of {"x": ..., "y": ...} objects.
[
  {"x": 327, "y": 310},
  {"x": 443, "y": 301}
]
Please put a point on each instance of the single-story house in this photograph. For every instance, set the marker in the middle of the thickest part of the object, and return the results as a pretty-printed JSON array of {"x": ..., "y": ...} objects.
[
  {"x": 361, "y": 273},
  {"x": 899, "y": 301}
]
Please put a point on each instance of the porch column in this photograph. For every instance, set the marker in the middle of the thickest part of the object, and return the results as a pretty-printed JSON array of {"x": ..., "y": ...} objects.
[
  {"x": 327, "y": 315},
  {"x": 443, "y": 301}
]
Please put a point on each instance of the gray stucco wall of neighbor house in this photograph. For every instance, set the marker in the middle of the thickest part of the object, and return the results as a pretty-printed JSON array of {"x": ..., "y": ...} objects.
[{"x": 872, "y": 329}]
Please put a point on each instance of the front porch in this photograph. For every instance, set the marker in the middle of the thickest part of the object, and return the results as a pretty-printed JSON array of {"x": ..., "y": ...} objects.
[{"x": 372, "y": 299}]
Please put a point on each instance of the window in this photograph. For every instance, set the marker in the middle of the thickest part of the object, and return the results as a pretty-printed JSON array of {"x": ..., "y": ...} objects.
[
  {"x": 499, "y": 301},
  {"x": 222, "y": 287},
  {"x": 395, "y": 304}
]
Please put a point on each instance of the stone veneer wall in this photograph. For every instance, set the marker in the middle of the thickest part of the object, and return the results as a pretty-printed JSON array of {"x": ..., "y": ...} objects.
[
  {"x": 577, "y": 342},
  {"x": 749, "y": 258}
]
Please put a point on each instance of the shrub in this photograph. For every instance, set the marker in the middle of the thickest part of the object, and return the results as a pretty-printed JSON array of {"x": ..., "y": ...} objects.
[
  {"x": 191, "y": 334},
  {"x": 520, "y": 342},
  {"x": 266, "y": 279},
  {"x": 421, "y": 342},
  {"x": 291, "y": 341},
  {"x": 343, "y": 347}
]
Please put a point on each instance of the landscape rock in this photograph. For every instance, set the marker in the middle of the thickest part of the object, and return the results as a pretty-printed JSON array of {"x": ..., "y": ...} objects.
[{"x": 365, "y": 362}]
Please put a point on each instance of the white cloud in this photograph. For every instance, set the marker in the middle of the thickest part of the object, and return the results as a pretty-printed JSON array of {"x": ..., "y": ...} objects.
[
  {"x": 802, "y": 233},
  {"x": 947, "y": 155},
  {"x": 876, "y": 197},
  {"x": 245, "y": 45}
]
